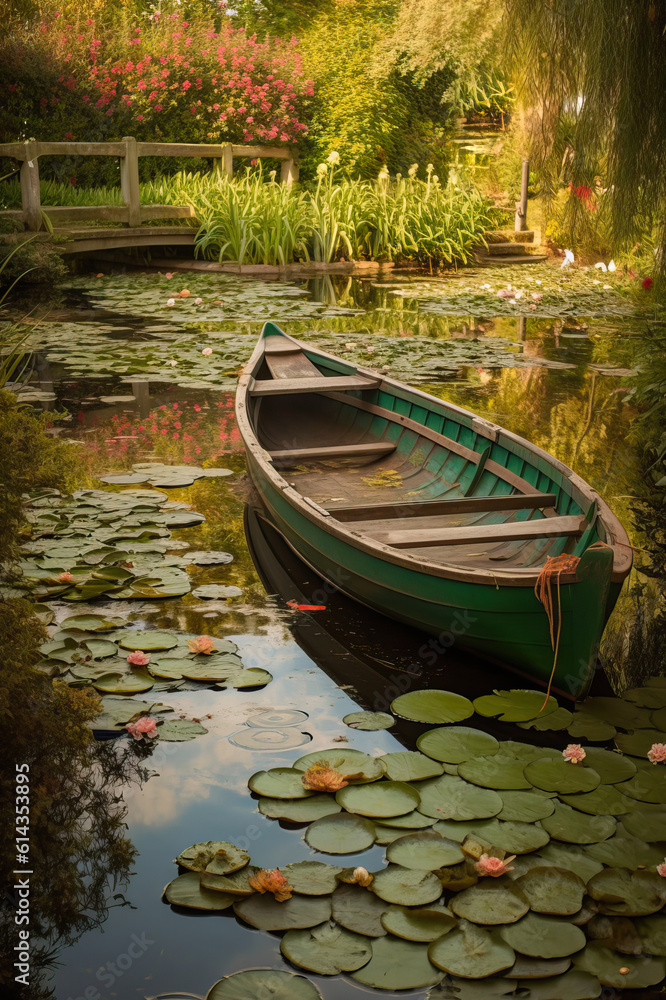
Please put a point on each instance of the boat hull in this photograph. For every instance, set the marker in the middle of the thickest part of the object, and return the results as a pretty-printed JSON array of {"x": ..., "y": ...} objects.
[{"x": 503, "y": 624}]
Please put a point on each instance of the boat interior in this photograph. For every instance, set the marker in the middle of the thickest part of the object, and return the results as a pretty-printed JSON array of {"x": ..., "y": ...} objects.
[{"x": 418, "y": 479}]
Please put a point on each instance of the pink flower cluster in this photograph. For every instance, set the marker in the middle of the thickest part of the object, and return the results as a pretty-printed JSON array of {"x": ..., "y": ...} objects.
[
  {"x": 490, "y": 865},
  {"x": 144, "y": 728},
  {"x": 657, "y": 753},
  {"x": 574, "y": 753},
  {"x": 233, "y": 86}
]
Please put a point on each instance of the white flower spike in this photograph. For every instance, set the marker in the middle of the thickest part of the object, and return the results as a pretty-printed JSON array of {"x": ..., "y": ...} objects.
[
  {"x": 611, "y": 265},
  {"x": 568, "y": 258}
]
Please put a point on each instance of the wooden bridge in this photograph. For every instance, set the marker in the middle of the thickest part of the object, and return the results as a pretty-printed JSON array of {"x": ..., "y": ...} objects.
[{"x": 131, "y": 217}]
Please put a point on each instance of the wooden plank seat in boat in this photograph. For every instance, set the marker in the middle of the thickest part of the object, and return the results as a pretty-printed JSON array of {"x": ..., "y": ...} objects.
[
  {"x": 367, "y": 449},
  {"x": 462, "y": 505},
  {"x": 283, "y": 386},
  {"x": 546, "y": 527}
]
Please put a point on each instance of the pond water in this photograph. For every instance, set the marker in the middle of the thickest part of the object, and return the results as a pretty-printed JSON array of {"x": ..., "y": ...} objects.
[{"x": 130, "y": 371}]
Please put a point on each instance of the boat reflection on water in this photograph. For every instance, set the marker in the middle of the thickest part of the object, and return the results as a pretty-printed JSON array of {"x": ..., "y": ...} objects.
[{"x": 372, "y": 657}]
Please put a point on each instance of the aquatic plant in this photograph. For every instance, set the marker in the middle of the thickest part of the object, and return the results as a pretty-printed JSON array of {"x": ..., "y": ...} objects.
[{"x": 144, "y": 728}]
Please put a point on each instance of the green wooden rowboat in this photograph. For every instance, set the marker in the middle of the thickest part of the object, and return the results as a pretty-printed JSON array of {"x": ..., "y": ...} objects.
[{"x": 428, "y": 513}]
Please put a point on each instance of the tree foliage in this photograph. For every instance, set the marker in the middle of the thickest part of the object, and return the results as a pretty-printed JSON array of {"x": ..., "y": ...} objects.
[{"x": 594, "y": 79}]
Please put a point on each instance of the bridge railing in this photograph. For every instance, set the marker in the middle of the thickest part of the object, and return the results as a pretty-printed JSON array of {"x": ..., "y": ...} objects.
[{"x": 128, "y": 150}]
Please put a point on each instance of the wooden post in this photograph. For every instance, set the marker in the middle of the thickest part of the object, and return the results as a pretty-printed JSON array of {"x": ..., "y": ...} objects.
[
  {"x": 228, "y": 161},
  {"x": 289, "y": 172},
  {"x": 129, "y": 181},
  {"x": 521, "y": 206},
  {"x": 30, "y": 196}
]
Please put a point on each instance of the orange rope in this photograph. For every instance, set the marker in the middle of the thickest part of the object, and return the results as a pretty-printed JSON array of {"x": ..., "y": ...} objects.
[{"x": 554, "y": 568}]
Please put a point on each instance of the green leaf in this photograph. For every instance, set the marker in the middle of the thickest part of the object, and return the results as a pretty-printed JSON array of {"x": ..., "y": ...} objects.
[
  {"x": 543, "y": 937},
  {"x": 180, "y": 730},
  {"x": 149, "y": 640},
  {"x": 425, "y": 923},
  {"x": 299, "y": 810},
  {"x": 492, "y": 901},
  {"x": 609, "y": 765},
  {"x": 279, "y": 783},
  {"x": 449, "y": 797},
  {"x": 406, "y": 886},
  {"x": 553, "y": 890},
  {"x": 456, "y": 744},
  {"x": 398, "y": 965},
  {"x": 201, "y": 856},
  {"x": 605, "y": 964},
  {"x": 346, "y": 762},
  {"x": 358, "y": 909},
  {"x": 133, "y": 682},
  {"x": 327, "y": 949},
  {"x": 369, "y": 721},
  {"x": 312, "y": 878},
  {"x": 432, "y": 706},
  {"x": 425, "y": 851},
  {"x": 574, "y": 985},
  {"x": 576, "y": 827},
  {"x": 499, "y": 771},
  {"x": 626, "y": 893},
  {"x": 622, "y": 851},
  {"x": 604, "y": 800},
  {"x": 340, "y": 834},
  {"x": 379, "y": 800},
  {"x": 471, "y": 952},
  {"x": 265, "y": 913},
  {"x": 186, "y": 891},
  {"x": 268, "y": 983},
  {"x": 526, "y": 807},
  {"x": 517, "y": 705},
  {"x": 408, "y": 765},
  {"x": 638, "y": 743},
  {"x": 561, "y": 776}
]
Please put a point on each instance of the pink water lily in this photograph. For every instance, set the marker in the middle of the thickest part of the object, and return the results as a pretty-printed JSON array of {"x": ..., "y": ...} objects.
[
  {"x": 204, "y": 644},
  {"x": 207, "y": 351},
  {"x": 490, "y": 865},
  {"x": 143, "y": 728},
  {"x": 657, "y": 753},
  {"x": 574, "y": 753},
  {"x": 171, "y": 302},
  {"x": 661, "y": 869},
  {"x": 66, "y": 578},
  {"x": 169, "y": 275},
  {"x": 198, "y": 302},
  {"x": 138, "y": 659}
]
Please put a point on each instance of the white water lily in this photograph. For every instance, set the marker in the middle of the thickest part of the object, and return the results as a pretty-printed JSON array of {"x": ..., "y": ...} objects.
[
  {"x": 568, "y": 258},
  {"x": 171, "y": 302},
  {"x": 601, "y": 266},
  {"x": 611, "y": 265}
]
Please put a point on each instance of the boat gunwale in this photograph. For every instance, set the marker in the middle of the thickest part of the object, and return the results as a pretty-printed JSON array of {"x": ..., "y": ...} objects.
[{"x": 615, "y": 533}]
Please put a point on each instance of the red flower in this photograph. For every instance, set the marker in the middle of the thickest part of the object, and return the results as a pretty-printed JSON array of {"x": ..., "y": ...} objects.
[{"x": 647, "y": 284}]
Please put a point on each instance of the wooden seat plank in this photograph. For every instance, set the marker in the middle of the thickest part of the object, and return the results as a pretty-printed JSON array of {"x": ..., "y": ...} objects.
[
  {"x": 365, "y": 450},
  {"x": 547, "y": 527},
  {"x": 293, "y": 364},
  {"x": 462, "y": 505},
  {"x": 285, "y": 386}
]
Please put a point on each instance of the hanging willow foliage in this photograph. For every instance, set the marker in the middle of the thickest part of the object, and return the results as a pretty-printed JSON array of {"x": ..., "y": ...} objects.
[{"x": 594, "y": 77}]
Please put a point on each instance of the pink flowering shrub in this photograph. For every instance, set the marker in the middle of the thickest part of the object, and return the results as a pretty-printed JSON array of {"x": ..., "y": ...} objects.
[{"x": 161, "y": 79}]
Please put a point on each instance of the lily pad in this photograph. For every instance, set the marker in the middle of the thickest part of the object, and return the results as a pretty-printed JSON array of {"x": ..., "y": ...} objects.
[
  {"x": 432, "y": 706},
  {"x": 456, "y": 744},
  {"x": 538, "y": 968},
  {"x": 652, "y": 932},
  {"x": 369, "y": 721},
  {"x": 299, "y": 810},
  {"x": 647, "y": 785},
  {"x": 516, "y": 838},
  {"x": 358, "y": 909},
  {"x": 471, "y": 952},
  {"x": 279, "y": 783},
  {"x": 356, "y": 766},
  {"x": 200, "y": 857},
  {"x": 604, "y": 800},
  {"x": 250, "y": 678},
  {"x": 553, "y": 890},
  {"x": 133, "y": 682},
  {"x": 312, "y": 878},
  {"x": 554, "y": 722},
  {"x": 517, "y": 705},
  {"x": 638, "y": 743},
  {"x": 472, "y": 989},
  {"x": 269, "y": 983},
  {"x": 589, "y": 727},
  {"x": 398, "y": 965},
  {"x": 342, "y": 833},
  {"x": 147, "y": 641},
  {"x": 424, "y": 851},
  {"x": 526, "y": 807},
  {"x": 609, "y": 765},
  {"x": 180, "y": 730},
  {"x": 410, "y": 821},
  {"x": 208, "y": 558},
  {"x": 185, "y": 890},
  {"x": 425, "y": 923},
  {"x": 643, "y": 970},
  {"x": 540, "y": 936},
  {"x": 496, "y": 901},
  {"x": 91, "y": 623},
  {"x": 327, "y": 949},
  {"x": 616, "y": 712},
  {"x": 235, "y": 883},
  {"x": 409, "y": 765},
  {"x": 265, "y": 913},
  {"x": 646, "y": 823},
  {"x": 406, "y": 886},
  {"x": 561, "y": 776},
  {"x": 449, "y": 797},
  {"x": 380, "y": 799},
  {"x": 567, "y": 856},
  {"x": 460, "y": 830},
  {"x": 573, "y": 985},
  {"x": 578, "y": 828},
  {"x": 626, "y": 893},
  {"x": 499, "y": 771}
]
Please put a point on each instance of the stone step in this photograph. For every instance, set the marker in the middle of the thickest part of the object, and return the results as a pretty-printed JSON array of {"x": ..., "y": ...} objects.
[
  {"x": 507, "y": 235},
  {"x": 500, "y": 249},
  {"x": 506, "y": 259}
]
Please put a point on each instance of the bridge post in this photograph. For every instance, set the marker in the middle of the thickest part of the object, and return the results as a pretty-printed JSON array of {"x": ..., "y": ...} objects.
[
  {"x": 289, "y": 171},
  {"x": 129, "y": 181},
  {"x": 30, "y": 195},
  {"x": 228, "y": 161}
]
